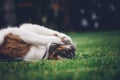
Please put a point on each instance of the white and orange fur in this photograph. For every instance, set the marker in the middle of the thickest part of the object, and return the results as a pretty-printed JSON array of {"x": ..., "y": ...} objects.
[{"x": 38, "y": 36}]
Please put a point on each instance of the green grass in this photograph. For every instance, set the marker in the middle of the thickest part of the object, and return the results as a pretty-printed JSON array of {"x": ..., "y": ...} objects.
[{"x": 97, "y": 58}]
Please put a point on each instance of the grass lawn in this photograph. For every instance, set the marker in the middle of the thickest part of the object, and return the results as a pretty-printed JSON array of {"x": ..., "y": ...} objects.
[{"x": 97, "y": 58}]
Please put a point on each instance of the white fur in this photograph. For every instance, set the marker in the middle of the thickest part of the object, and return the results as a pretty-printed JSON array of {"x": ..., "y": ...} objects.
[
  {"x": 38, "y": 36},
  {"x": 41, "y": 30},
  {"x": 35, "y": 53}
]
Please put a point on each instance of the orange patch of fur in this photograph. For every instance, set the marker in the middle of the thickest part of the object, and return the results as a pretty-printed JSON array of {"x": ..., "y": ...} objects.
[{"x": 14, "y": 46}]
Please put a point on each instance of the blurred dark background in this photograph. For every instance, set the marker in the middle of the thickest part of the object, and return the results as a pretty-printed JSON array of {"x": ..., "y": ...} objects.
[{"x": 62, "y": 15}]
